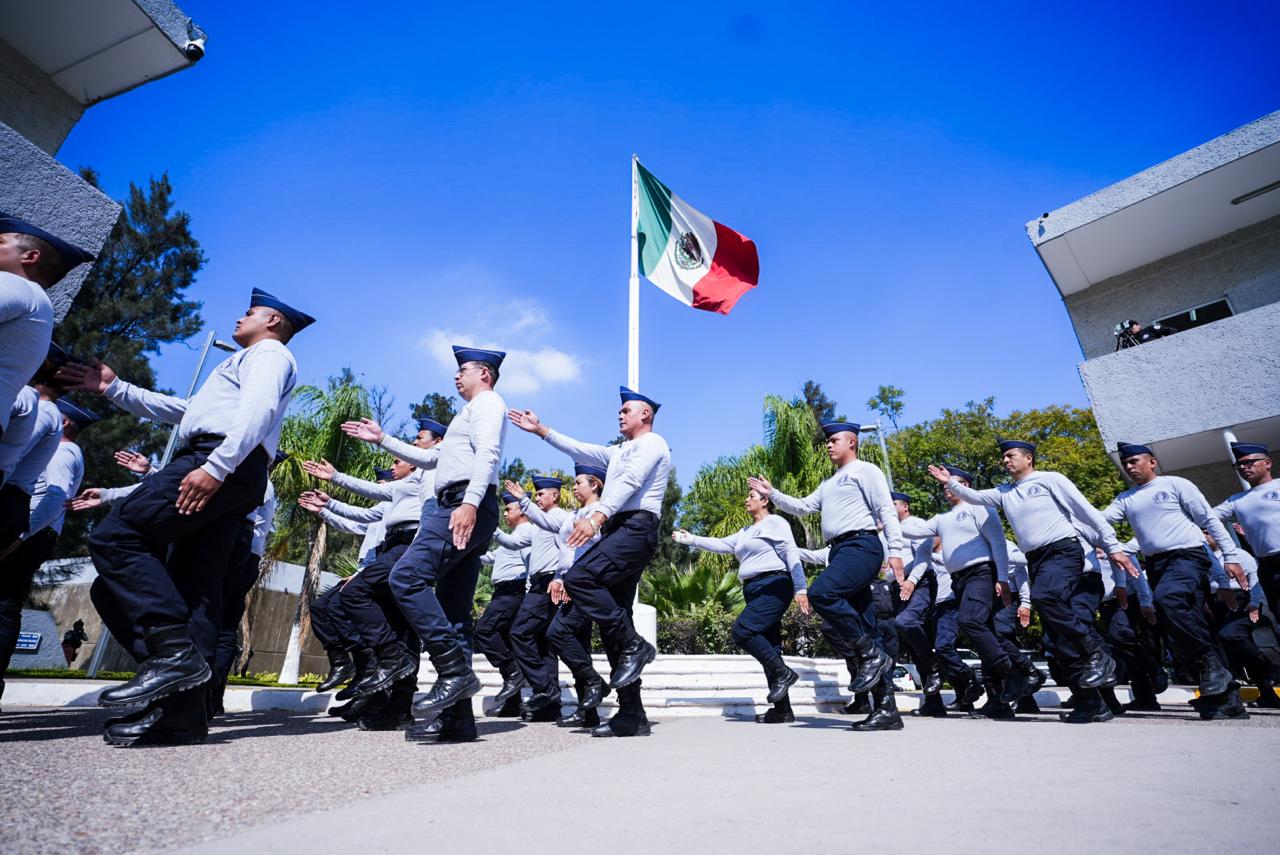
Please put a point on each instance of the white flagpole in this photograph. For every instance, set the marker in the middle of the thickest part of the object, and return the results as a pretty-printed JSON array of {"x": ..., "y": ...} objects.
[{"x": 633, "y": 300}]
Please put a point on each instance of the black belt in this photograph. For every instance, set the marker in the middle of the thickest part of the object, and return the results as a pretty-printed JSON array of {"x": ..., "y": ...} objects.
[
  {"x": 402, "y": 527},
  {"x": 1184, "y": 552},
  {"x": 1037, "y": 554},
  {"x": 452, "y": 494},
  {"x": 616, "y": 521},
  {"x": 850, "y": 535},
  {"x": 203, "y": 441}
]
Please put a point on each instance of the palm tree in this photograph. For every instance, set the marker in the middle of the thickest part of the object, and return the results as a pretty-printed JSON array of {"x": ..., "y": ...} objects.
[
  {"x": 674, "y": 592},
  {"x": 313, "y": 431}
]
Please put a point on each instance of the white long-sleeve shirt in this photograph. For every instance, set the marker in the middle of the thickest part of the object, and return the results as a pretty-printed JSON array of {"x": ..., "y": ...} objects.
[
  {"x": 636, "y": 471},
  {"x": 22, "y": 414},
  {"x": 970, "y": 535},
  {"x": 1258, "y": 512},
  {"x": 58, "y": 483},
  {"x": 1168, "y": 513},
  {"x": 545, "y": 554},
  {"x": 423, "y": 458},
  {"x": 1219, "y": 578},
  {"x": 853, "y": 499},
  {"x": 1019, "y": 578},
  {"x": 354, "y": 519},
  {"x": 44, "y": 440},
  {"x": 763, "y": 547},
  {"x": 510, "y": 562},
  {"x": 264, "y": 519},
  {"x": 26, "y": 326},
  {"x": 471, "y": 451},
  {"x": 243, "y": 400},
  {"x": 1040, "y": 508},
  {"x": 404, "y": 495}
]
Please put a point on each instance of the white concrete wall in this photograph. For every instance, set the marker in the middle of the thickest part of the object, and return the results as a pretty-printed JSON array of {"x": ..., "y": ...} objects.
[{"x": 1243, "y": 266}]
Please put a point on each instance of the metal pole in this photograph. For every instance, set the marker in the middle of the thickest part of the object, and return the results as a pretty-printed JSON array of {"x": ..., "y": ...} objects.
[
  {"x": 633, "y": 295},
  {"x": 104, "y": 639},
  {"x": 1228, "y": 437},
  {"x": 884, "y": 452}
]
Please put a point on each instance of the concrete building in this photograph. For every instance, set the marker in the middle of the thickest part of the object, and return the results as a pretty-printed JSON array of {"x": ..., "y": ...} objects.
[
  {"x": 57, "y": 58},
  {"x": 1193, "y": 243}
]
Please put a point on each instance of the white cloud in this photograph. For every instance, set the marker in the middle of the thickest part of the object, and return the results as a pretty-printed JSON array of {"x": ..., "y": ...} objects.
[{"x": 526, "y": 369}]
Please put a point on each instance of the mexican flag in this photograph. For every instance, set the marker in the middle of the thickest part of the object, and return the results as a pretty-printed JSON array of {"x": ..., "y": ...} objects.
[{"x": 693, "y": 258}]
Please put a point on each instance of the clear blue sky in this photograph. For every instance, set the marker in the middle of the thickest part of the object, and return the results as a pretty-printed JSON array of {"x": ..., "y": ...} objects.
[{"x": 411, "y": 173}]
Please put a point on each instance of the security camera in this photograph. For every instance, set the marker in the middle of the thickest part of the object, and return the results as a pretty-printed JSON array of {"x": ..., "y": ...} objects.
[{"x": 194, "y": 49}]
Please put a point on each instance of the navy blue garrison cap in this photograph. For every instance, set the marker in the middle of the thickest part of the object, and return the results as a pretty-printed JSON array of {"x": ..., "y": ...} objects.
[
  {"x": 507, "y": 498},
  {"x": 82, "y": 417},
  {"x": 72, "y": 255},
  {"x": 1006, "y": 444},
  {"x": 58, "y": 355},
  {"x": 831, "y": 428},
  {"x": 546, "y": 482},
  {"x": 587, "y": 469},
  {"x": 478, "y": 354},
  {"x": 384, "y": 474},
  {"x": 627, "y": 395},
  {"x": 433, "y": 426},
  {"x": 298, "y": 320},
  {"x": 1129, "y": 449},
  {"x": 957, "y": 472},
  {"x": 900, "y": 497},
  {"x": 1244, "y": 449}
]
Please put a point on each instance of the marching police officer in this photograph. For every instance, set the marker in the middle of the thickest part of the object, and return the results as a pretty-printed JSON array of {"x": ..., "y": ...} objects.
[
  {"x": 1257, "y": 511},
  {"x": 509, "y": 577}
]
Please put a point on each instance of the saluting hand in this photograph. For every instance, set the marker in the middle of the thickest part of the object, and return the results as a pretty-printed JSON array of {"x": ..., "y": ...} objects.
[
  {"x": 527, "y": 420},
  {"x": 462, "y": 522},
  {"x": 94, "y": 377},
  {"x": 514, "y": 489},
  {"x": 1002, "y": 591},
  {"x": 323, "y": 470},
  {"x": 941, "y": 473},
  {"x": 133, "y": 461},
  {"x": 195, "y": 491},
  {"x": 760, "y": 484},
  {"x": 365, "y": 429}
]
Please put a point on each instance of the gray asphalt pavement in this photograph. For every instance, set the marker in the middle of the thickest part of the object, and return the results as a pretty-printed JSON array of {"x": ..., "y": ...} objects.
[{"x": 282, "y": 783}]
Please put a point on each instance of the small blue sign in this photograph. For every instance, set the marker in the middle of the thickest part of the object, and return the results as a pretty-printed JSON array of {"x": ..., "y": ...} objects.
[{"x": 28, "y": 642}]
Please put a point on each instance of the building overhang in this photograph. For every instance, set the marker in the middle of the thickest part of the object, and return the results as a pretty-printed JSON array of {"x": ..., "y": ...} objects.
[
  {"x": 97, "y": 50},
  {"x": 1212, "y": 190}
]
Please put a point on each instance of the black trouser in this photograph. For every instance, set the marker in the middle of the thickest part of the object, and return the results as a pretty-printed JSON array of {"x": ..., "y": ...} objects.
[
  {"x": 1006, "y": 625},
  {"x": 1180, "y": 582},
  {"x": 758, "y": 629},
  {"x": 493, "y": 629},
  {"x": 1134, "y": 644},
  {"x": 603, "y": 580},
  {"x": 946, "y": 622},
  {"x": 369, "y": 600},
  {"x": 331, "y": 623},
  {"x": 142, "y": 589},
  {"x": 15, "y": 514},
  {"x": 570, "y": 637},
  {"x": 1085, "y": 601},
  {"x": 242, "y": 575},
  {"x": 975, "y": 590},
  {"x": 17, "y": 569},
  {"x": 1269, "y": 578},
  {"x": 434, "y": 582},
  {"x": 841, "y": 594},
  {"x": 529, "y": 636},
  {"x": 915, "y": 622},
  {"x": 1236, "y": 632},
  {"x": 1061, "y": 592}
]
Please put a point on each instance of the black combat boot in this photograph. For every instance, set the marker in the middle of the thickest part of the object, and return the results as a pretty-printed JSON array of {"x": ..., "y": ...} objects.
[
  {"x": 636, "y": 654},
  {"x": 456, "y": 724},
  {"x": 213, "y": 692},
  {"x": 364, "y": 661},
  {"x": 1089, "y": 708},
  {"x": 860, "y": 705},
  {"x": 341, "y": 669},
  {"x": 1113, "y": 703},
  {"x": 1214, "y": 676},
  {"x": 779, "y": 713},
  {"x": 885, "y": 715},
  {"x": 581, "y": 716},
  {"x": 853, "y": 663},
  {"x": 781, "y": 678},
  {"x": 1014, "y": 686},
  {"x": 542, "y": 714},
  {"x": 932, "y": 707},
  {"x": 932, "y": 681},
  {"x": 630, "y": 719},
  {"x": 511, "y": 709},
  {"x": 455, "y": 681},
  {"x": 545, "y": 699},
  {"x": 873, "y": 664},
  {"x": 364, "y": 705},
  {"x": 512, "y": 682},
  {"x": 1027, "y": 706},
  {"x": 395, "y": 713},
  {"x": 1099, "y": 669},
  {"x": 996, "y": 707},
  {"x": 967, "y": 689},
  {"x": 177, "y": 718},
  {"x": 594, "y": 688},
  {"x": 1226, "y": 705},
  {"x": 1267, "y": 698},
  {"x": 394, "y": 662},
  {"x": 173, "y": 665}
]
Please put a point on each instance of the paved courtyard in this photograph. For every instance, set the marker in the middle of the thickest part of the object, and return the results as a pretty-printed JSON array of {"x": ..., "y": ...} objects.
[{"x": 286, "y": 782}]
